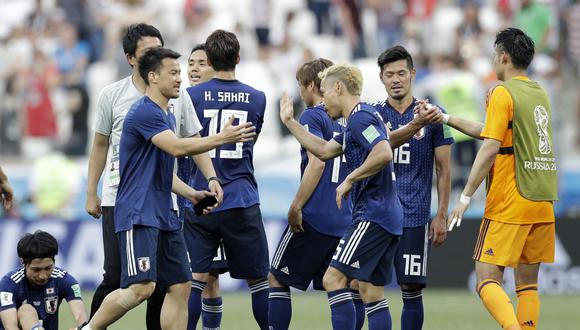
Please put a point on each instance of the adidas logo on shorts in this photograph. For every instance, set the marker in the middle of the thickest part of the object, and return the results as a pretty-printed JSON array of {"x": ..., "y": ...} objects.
[
  {"x": 489, "y": 252},
  {"x": 355, "y": 265},
  {"x": 285, "y": 270}
]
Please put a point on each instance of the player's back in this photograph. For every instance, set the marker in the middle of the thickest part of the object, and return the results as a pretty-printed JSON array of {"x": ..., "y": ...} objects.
[
  {"x": 321, "y": 211},
  {"x": 215, "y": 101},
  {"x": 374, "y": 198}
]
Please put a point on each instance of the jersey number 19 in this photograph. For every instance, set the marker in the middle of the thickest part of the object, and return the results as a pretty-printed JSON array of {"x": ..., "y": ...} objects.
[{"x": 240, "y": 115}]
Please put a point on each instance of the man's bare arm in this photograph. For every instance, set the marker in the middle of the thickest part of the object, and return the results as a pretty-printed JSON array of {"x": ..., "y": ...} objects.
[
  {"x": 77, "y": 308},
  {"x": 97, "y": 162}
]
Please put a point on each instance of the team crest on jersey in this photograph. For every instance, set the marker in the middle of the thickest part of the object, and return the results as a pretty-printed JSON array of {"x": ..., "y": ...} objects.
[
  {"x": 144, "y": 264},
  {"x": 51, "y": 304},
  {"x": 419, "y": 135},
  {"x": 49, "y": 290}
]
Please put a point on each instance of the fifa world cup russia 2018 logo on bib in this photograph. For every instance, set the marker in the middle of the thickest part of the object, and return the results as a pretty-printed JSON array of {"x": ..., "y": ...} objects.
[
  {"x": 144, "y": 264},
  {"x": 542, "y": 119}
]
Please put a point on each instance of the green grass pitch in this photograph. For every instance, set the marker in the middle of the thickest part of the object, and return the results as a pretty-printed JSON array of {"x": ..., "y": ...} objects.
[{"x": 444, "y": 309}]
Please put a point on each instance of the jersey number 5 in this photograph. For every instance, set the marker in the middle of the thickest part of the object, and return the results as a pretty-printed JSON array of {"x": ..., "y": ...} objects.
[{"x": 240, "y": 115}]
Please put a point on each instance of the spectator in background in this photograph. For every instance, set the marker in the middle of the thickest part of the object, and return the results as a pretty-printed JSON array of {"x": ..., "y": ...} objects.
[
  {"x": 390, "y": 15},
  {"x": 78, "y": 106},
  {"x": 10, "y": 113},
  {"x": 262, "y": 12},
  {"x": 350, "y": 13},
  {"x": 458, "y": 91},
  {"x": 72, "y": 58},
  {"x": 40, "y": 127},
  {"x": 6, "y": 193},
  {"x": 469, "y": 32},
  {"x": 535, "y": 20},
  {"x": 54, "y": 183},
  {"x": 321, "y": 10},
  {"x": 573, "y": 51}
]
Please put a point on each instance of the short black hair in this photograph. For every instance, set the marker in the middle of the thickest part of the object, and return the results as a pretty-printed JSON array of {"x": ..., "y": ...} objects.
[
  {"x": 197, "y": 47},
  {"x": 135, "y": 32},
  {"x": 518, "y": 45},
  {"x": 395, "y": 54},
  {"x": 308, "y": 72},
  {"x": 151, "y": 61},
  {"x": 223, "y": 50},
  {"x": 40, "y": 244}
]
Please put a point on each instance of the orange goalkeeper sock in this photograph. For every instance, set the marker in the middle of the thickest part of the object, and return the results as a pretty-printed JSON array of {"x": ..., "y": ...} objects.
[
  {"x": 528, "y": 305},
  {"x": 498, "y": 303}
]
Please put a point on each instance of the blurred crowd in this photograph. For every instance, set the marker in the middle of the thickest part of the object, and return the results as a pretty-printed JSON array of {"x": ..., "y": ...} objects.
[{"x": 56, "y": 55}]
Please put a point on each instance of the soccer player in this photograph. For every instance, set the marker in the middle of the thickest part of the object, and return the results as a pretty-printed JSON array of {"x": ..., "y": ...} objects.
[
  {"x": 315, "y": 223},
  {"x": 150, "y": 238},
  {"x": 517, "y": 155},
  {"x": 238, "y": 220},
  {"x": 6, "y": 194},
  {"x": 366, "y": 250},
  {"x": 413, "y": 163},
  {"x": 112, "y": 106},
  {"x": 30, "y": 296},
  {"x": 199, "y": 71}
]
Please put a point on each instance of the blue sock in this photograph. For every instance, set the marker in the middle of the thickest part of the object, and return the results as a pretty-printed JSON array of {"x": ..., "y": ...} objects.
[
  {"x": 211, "y": 313},
  {"x": 279, "y": 308},
  {"x": 341, "y": 309},
  {"x": 259, "y": 291},
  {"x": 359, "y": 308},
  {"x": 379, "y": 315},
  {"x": 194, "y": 304},
  {"x": 412, "y": 315}
]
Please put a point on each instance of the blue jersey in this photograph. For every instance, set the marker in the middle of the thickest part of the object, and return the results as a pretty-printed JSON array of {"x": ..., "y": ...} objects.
[
  {"x": 374, "y": 198},
  {"x": 215, "y": 101},
  {"x": 15, "y": 290},
  {"x": 144, "y": 196},
  {"x": 413, "y": 162},
  {"x": 320, "y": 211}
]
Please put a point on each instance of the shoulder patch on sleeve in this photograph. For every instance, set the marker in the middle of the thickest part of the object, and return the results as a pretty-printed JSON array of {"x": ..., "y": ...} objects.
[
  {"x": 370, "y": 133},
  {"x": 6, "y": 298},
  {"x": 447, "y": 132},
  {"x": 76, "y": 290}
]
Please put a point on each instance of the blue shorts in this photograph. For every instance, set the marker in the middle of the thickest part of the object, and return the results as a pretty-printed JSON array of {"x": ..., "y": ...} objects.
[
  {"x": 366, "y": 253},
  {"x": 241, "y": 231},
  {"x": 150, "y": 254},
  {"x": 412, "y": 255},
  {"x": 302, "y": 258}
]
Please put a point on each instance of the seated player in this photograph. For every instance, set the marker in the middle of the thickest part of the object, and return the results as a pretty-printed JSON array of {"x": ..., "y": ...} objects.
[{"x": 30, "y": 296}]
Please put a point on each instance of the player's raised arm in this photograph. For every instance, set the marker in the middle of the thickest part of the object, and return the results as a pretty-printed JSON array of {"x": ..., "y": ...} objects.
[
  {"x": 322, "y": 149},
  {"x": 170, "y": 143}
]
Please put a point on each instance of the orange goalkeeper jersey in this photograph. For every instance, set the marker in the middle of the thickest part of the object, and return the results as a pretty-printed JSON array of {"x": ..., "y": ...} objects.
[{"x": 504, "y": 202}]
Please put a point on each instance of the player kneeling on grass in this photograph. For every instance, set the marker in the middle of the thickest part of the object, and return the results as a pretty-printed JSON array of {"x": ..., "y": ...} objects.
[
  {"x": 30, "y": 296},
  {"x": 366, "y": 250}
]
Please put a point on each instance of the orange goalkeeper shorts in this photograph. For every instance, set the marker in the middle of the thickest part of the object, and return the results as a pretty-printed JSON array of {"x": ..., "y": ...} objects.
[{"x": 506, "y": 244}]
